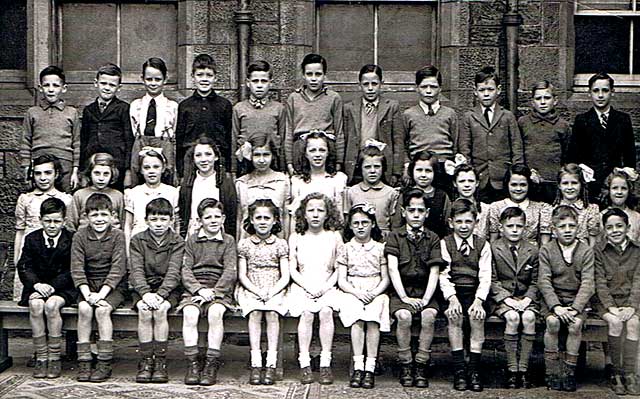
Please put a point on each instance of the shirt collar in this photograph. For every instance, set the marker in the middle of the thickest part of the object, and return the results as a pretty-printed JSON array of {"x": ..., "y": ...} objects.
[
  {"x": 55, "y": 239},
  {"x": 368, "y": 246},
  {"x": 625, "y": 244},
  {"x": 304, "y": 94},
  {"x": 91, "y": 234},
  {"x": 492, "y": 108},
  {"x": 51, "y": 193},
  {"x": 578, "y": 204},
  {"x": 202, "y": 236},
  {"x": 258, "y": 103},
  {"x": 600, "y": 113},
  {"x": 257, "y": 240},
  {"x": 522, "y": 205},
  {"x": 209, "y": 96},
  {"x": 458, "y": 241},
  {"x": 375, "y": 103},
  {"x": 551, "y": 117},
  {"x": 160, "y": 99},
  {"x": 365, "y": 187},
  {"x": 434, "y": 107},
  {"x": 46, "y": 105}
]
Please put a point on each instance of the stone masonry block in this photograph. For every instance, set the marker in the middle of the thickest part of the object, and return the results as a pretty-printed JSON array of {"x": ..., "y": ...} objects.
[
  {"x": 486, "y": 12},
  {"x": 10, "y": 133},
  {"x": 486, "y": 35},
  {"x": 266, "y": 10},
  {"x": 265, "y": 33},
  {"x": 193, "y": 22},
  {"x": 222, "y": 29},
  {"x": 471, "y": 59},
  {"x": 530, "y": 34},
  {"x": 296, "y": 22},
  {"x": 538, "y": 63},
  {"x": 454, "y": 23},
  {"x": 551, "y": 23}
]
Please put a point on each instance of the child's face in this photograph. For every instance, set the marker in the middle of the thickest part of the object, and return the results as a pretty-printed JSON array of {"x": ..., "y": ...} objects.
[
  {"x": 518, "y": 188},
  {"x": 487, "y": 92},
  {"x": 601, "y": 93},
  {"x": 512, "y": 229},
  {"x": 361, "y": 226},
  {"x": 618, "y": 191},
  {"x": 429, "y": 90},
  {"x": 263, "y": 221},
  {"x": 616, "y": 230},
  {"x": 566, "y": 229},
  {"x": 100, "y": 176},
  {"x": 423, "y": 174},
  {"x": 415, "y": 213},
  {"x": 317, "y": 152},
  {"x": 314, "y": 77},
  {"x": 212, "y": 220},
  {"x": 261, "y": 158},
  {"x": 52, "y": 223},
  {"x": 371, "y": 86},
  {"x": 570, "y": 187},
  {"x": 203, "y": 79},
  {"x": 44, "y": 176},
  {"x": 52, "y": 88},
  {"x": 99, "y": 219},
  {"x": 107, "y": 86},
  {"x": 463, "y": 224},
  {"x": 372, "y": 169},
  {"x": 543, "y": 101},
  {"x": 153, "y": 81},
  {"x": 315, "y": 213},
  {"x": 151, "y": 170},
  {"x": 204, "y": 158},
  {"x": 466, "y": 184},
  {"x": 259, "y": 83},
  {"x": 158, "y": 224}
]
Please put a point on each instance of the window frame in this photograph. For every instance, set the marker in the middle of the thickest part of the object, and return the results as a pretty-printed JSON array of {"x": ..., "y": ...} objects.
[
  {"x": 17, "y": 78},
  {"x": 391, "y": 77}
]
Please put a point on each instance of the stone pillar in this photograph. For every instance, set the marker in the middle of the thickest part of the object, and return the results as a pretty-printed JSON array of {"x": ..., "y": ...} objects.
[
  {"x": 512, "y": 21},
  {"x": 243, "y": 19},
  {"x": 40, "y": 39}
]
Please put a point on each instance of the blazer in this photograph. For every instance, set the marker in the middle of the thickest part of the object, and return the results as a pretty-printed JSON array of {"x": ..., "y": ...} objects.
[
  {"x": 514, "y": 279},
  {"x": 389, "y": 132},
  {"x": 490, "y": 148}
]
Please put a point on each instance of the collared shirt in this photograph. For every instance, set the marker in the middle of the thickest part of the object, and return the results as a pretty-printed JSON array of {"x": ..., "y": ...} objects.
[
  {"x": 369, "y": 121},
  {"x": 492, "y": 111},
  {"x": 166, "y": 115},
  {"x": 622, "y": 247},
  {"x": 589, "y": 220},
  {"x": 102, "y": 104},
  {"x": 484, "y": 269},
  {"x": 47, "y": 238},
  {"x": 204, "y": 236},
  {"x": 601, "y": 114},
  {"x": 567, "y": 251},
  {"x": 434, "y": 107},
  {"x": 45, "y": 105}
]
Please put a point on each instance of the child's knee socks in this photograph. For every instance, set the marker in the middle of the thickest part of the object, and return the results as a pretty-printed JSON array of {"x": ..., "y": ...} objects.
[
  {"x": 325, "y": 359},
  {"x": 526, "y": 346},
  {"x": 423, "y": 356},
  {"x": 256, "y": 358},
  {"x": 191, "y": 350},
  {"x": 105, "y": 350},
  {"x": 40, "y": 344},
  {"x": 305, "y": 359},
  {"x": 511, "y": 348},
  {"x": 55, "y": 347},
  {"x": 404, "y": 355},
  {"x": 160, "y": 348},
  {"x": 272, "y": 359},
  {"x": 630, "y": 356},
  {"x": 615, "y": 351},
  {"x": 84, "y": 351},
  {"x": 213, "y": 353},
  {"x": 474, "y": 361},
  {"x": 370, "y": 364},
  {"x": 458, "y": 359},
  {"x": 146, "y": 350},
  {"x": 358, "y": 362}
]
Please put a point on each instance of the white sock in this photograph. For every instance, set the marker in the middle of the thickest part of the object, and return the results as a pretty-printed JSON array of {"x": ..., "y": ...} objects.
[
  {"x": 272, "y": 359},
  {"x": 370, "y": 364},
  {"x": 304, "y": 359},
  {"x": 325, "y": 359},
  {"x": 256, "y": 358},
  {"x": 358, "y": 362}
]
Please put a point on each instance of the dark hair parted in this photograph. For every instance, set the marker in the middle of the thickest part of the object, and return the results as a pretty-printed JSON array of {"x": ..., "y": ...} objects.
[
  {"x": 53, "y": 70},
  {"x": 264, "y": 140},
  {"x": 413, "y": 193},
  {"x": 313, "y": 58},
  {"x": 615, "y": 212},
  {"x": 601, "y": 76},
  {"x": 263, "y": 203},
  {"x": 485, "y": 74},
  {"x": 209, "y": 203},
  {"x": 519, "y": 169},
  {"x": 631, "y": 201},
  {"x": 53, "y": 205},
  {"x": 573, "y": 169},
  {"x": 47, "y": 158},
  {"x": 424, "y": 155},
  {"x": 109, "y": 69},
  {"x": 463, "y": 205},
  {"x": 370, "y": 68},
  {"x": 102, "y": 159},
  {"x": 347, "y": 234},
  {"x": 563, "y": 212},
  {"x": 159, "y": 206},
  {"x": 512, "y": 212},
  {"x": 205, "y": 140},
  {"x": 330, "y": 163},
  {"x": 259, "y": 66},
  {"x": 98, "y": 202},
  {"x": 157, "y": 63},
  {"x": 332, "y": 222},
  {"x": 370, "y": 152},
  {"x": 203, "y": 61},
  {"x": 428, "y": 71},
  {"x": 543, "y": 85}
]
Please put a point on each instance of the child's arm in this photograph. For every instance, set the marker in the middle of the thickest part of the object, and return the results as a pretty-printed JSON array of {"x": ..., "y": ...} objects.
[
  {"x": 406, "y": 142},
  {"x": 285, "y": 210},
  {"x": 342, "y": 265},
  {"x": 181, "y": 127},
  {"x": 75, "y": 145},
  {"x": 25, "y": 267},
  {"x": 235, "y": 138},
  {"x": 517, "y": 147},
  {"x": 494, "y": 221},
  {"x": 397, "y": 141},
  {"x": 26, "y": 145},
  {"x": 128, "y": 226},
  {"x": 17, "y": 246},
  {"x": 337, "y": 112},
  {"x": 593, "y": 224},
  {"x": 499, "y": 293},
  {"x": 227, "y": 281},
  {"x": 587, "y": 282},
  {"x": 602, "y": 288},
  {"x": 226, "y": 116},
  {"x": 239, "y": 213},
  {"x": 545, "y": 284},
  {"x": 288, "y": 138},
  {"x": 476, "y": 309},
  {"x": 118, "y": 265},
  {"x": 189, "y": 281},
  {"x": 465, "y": 141},
  {"x": 283, "y": 282},
  {"x": 172, "y": 277},
  {"x": 73, "y": 213},
  {"x": 127, "y": 131},
  {"x": 243, "y": 278},
  {"x": 454, "y": 131},
  {"x": 448, "y": 288},
  {"x": 434, "y": 264},
  {"x": 137, "y": 277},
  {"x": 532, "y": 291},
  {"x": 85, "y": 137},
  {"x": 384, "y": 281},
  {"x": 394, "y": 277},
  {"x": 77, "y": 266}
]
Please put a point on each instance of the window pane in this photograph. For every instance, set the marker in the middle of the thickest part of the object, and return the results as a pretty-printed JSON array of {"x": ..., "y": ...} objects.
[
  {"x": 346, "y": 35},
  {"x": 149, "y": 30},
  {"x": 593, "y": 54},
  {"x": 636, "y": 46},
  {"x": 602, "y": 5},
  {"x": 13, "y": 34},
  {"x": 88, "y": 35},
  {"x": 404, "y": 39}
]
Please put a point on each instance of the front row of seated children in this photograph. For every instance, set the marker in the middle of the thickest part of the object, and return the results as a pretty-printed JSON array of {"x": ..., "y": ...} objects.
[{"x": 475, "y": 278}]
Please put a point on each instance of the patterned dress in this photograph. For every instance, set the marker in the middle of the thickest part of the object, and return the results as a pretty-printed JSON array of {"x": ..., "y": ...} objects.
[
  {"x": 274, "y": 186},
  {"x": 538, "y": 216},
  {"x": 588, "y": 219},
  {"x": 331, "y": 186},
  {"x": 384, "y": 198},
  {"x": 137, "y": 198}
]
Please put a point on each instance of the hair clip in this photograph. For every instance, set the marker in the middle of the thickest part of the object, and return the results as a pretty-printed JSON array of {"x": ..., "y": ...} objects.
[
  {"x": 144, "y": 151},
  {"x": 244, "y": 152},
  {"x": 450, "y": 166},
  {"x": 366, "y": 208},
  {"x": 587, "y": 173},
  {"x": 535, "y": 176},
  {"x": 631, "y": 173},
  {"x": 374, "y": 143},
  {"x": 322, "y": 133}
]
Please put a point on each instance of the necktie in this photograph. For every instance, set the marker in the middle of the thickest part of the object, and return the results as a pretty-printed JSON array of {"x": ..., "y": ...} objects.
[
  {"x": 465, "y": 249},
  {"x": 102, "y": 105},
  {"x": 369, "y": 108},
  {"x": 430, "y": 112},
  {"x": 486, "y": 116},
  {"x": 51, "y": 243},
  {"x": 258, "y": 104},
  {"x": 603, "y": 121},
  {"x": 514, "y": 253},
  {"x": 415, "y": 234},
  {"x": 150, "y": 127}
]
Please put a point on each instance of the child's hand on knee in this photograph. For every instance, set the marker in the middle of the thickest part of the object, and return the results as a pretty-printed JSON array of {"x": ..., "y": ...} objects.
[
  {"x": 524, "y": 303},
  {"x": 45, "y": 290},
  {"x": 36, "y": 295},
  {"x": 626, "y": 313},
  {"x": 93, "y": 298},
  {"x": 512, "y": 303},
  {"x": 455, "y": 309},
  {"x": 476, "y": 310},
  {"x": 415, "y": 303},
  {"x": 152, "y": 300},
  {"x": 207, "y": 294},
  {"x": 102, "y": 304}
]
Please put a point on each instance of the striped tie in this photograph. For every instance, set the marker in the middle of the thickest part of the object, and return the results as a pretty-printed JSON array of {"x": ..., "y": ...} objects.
[
  {"x": 465, "y": 249},
  {"x": 603, "y": 121}
]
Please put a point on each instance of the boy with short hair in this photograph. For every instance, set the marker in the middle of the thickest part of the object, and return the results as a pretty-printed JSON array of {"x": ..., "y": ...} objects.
[
  {"x": 413, "y": 253},
  {"x": 465, "y": 283},
  {"x": 52, "y": 127},
  {"x": 603, "y": 136},
  {"x": 106, "y": 126},
  {"x": 618, "y": 287},
  {"x": 545, "y": 137},
  {"x": 204, "y": 113},
  {"x": 257, "y": 115},
  {"x": 430, "y": 125},
  {"x": 373, "y": 117},
  {"x": 312, "y": 107},
  {"x": 515, "y": 293},
  {"x": 44, "y": 268},
  {"x": 98, "y": 265},
  {"x": 566, "y": 281},
  {"x": 489, "y": 136},
  {"x": 209, "y": 274},
  {"x": 155, "y": 259}
]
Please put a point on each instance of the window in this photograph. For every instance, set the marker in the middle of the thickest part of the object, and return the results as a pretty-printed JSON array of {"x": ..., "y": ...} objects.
[
  {"x": 93, "y": 33},
  {"x": 399, "y": 36},
  {"x": 607, "y": 39},
  {"x": 13, "y": 41}
]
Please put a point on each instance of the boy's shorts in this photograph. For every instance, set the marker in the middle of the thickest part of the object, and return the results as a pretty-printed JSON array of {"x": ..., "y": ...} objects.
[
  {"x": 204, "y": 307},
  {"x": 499, "y": 309},
  {"x": 173, "y": 299},
  {"x": 466, "y": 296},
  {"x": 396, "y": 304},
  {"x": 115, "y": 298},
  {"x": 546, "y": 312}
]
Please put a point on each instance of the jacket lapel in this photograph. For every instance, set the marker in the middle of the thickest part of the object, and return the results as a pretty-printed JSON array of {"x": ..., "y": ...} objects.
[
  {"x": 505, "y": 253},
  {"x": 497, "y": 115},
  {"x": 523, "y": 256},
  {"x": 358, "y": 115},
  {"x": 383, "y": 109},
  {"x": 479, "y": 117}
]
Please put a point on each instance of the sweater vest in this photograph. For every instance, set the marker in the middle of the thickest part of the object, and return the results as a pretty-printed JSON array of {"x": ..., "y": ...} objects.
[{"x": 464, "y": 269}]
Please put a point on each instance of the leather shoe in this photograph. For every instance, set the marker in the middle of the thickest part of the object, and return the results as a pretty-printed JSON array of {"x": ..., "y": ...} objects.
[
  {"x": 511, "y": 380},
  {"x": 523, "y": 380},
  {"x": 356, "y": 379},
  {"x": 306, "y": 375},
  {"x": 269, "y": 376},
  {"x": 406, "y": 374},
  {"x": 254, "y": 376},
  {"x": 326, "y": 376},
  {"x": 369, "y": 380},
  {"x": 460, "y": 381},
  {"x": 475, "y": 382},
  {"x": 420, "y": 379}
]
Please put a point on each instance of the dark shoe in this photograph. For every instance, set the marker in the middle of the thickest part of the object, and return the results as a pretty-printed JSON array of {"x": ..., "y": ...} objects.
[
  {"x": 255, "y": 376},
  {"x": 406, "y": 374},
  {"x": 54, "y": 368},
  {"x": 84, "y": 371},
  {"x": 511, "y": 380},
  {"x": 475, "y": 382},
  {"x": 554, "y": 382},
  {"x": 306, "y": 375},
  {"x": 160, "y": 374},
  {"x": 420, "y": 379},
  {"x": 269, "y": 376},
  {"x": 369, "y": 380},
  {"x": 460, "y": 381},
  {"x": 40, "y": 369},
  {"x": 193, "y": 371},
  {"x": 569, "y": 383},
  {"x": 523, "y": 380},
  {"x": 631, "y": 385},
  {"x": 102, "y": 371},
  {"x": 617, "y": 386},
  {"x": 210, "y": 371},
  {"x": 145, "y": 370},
  {"x": 326, "y": 376},
  {"x": 32, "y": 361},
  {"x": 356, "y": 379}
]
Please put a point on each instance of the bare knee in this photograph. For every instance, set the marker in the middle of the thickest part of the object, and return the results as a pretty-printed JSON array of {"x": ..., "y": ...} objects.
[
  {"x": 190, "y": 315},
  {"x": 477, "y": 326},
  {"x": 272, "y": 317},
  {"x": 306, "y": 318},
  {"x": 144, "y": 314},
  {"x": 528, "y": 319},
  {"x": 575, "y": 328},
  {"x": 404, "y": 318},
  {"x": 215, "y": 313},
  {"x": 326, "y": 314},
  {"x": 633, "y": 326},
  {"x": 428, "y": 318},
  {"x": 36, "y": 307},
  {"x": 615, "y": 325},
  {"x": 161, "y": 313},
  {"x": 455, "y": 322},
  {"x": 103, "y": 313},
  {"x": 553, "y": 324},
  {"x": 85, "y": 310}
]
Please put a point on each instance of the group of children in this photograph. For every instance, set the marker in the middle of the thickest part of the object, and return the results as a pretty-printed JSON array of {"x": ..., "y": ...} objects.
[{"x": 524, "y": 238}]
